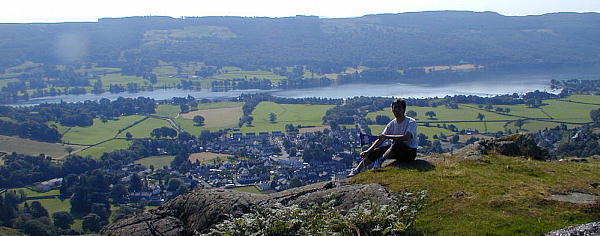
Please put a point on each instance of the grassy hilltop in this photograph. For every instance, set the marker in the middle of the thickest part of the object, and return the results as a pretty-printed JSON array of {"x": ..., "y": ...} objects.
[{"x": 497, "y": 196}]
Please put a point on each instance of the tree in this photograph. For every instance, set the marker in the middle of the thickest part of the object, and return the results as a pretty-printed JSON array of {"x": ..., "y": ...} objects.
[
  {"x": 135, "y": 183},
  {"x": 37, "y": 210},
  {"x": 199, "y": 120},
  {"x": 481, "y": 117},
  {"x": 181, "y": 160},
  {"x": 69, "y": 149},
  {"x": 62, "y": 219},
  {"x": 249, "y": 120},
  {"x": 272, "y": 117},
  {"x": 101, "y": 210},
  {"x": 454, "y": 139},
  {"x": 98, "y": 87},
  {"x": 595, "y": 115},
  {"x": 163, "y": 132},
  {"x": 295, "y": 182},
  {"x": 382, "y": 119},
  {"x": 411, "y": 113},
  {"x": 431, "y": 114},
  {"x": 119, "y": 193},
  {"x": 128, "y": 135},
  {"x": 91, "y": 223},
  {"x": 519, "y": 123},
  {"x": 174, "y": 184},
  {"x": 184, "y": 108}
]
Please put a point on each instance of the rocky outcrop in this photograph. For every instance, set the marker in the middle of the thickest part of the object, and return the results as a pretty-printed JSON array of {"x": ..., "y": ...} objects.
[
  {"x": 518, "y": 145},
  {"x": 588, "y": 229},
  {"x": 199, "y": 210}
]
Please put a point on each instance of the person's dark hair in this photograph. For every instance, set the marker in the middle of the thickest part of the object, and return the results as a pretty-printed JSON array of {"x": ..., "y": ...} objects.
[{"x": 399, "y": 102}]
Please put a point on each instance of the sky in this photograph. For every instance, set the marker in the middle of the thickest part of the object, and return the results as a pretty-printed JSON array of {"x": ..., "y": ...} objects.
[{"x": 29, "y": 11}]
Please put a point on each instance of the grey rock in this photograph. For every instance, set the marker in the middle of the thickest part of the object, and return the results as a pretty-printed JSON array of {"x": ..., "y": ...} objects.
[
  {"x": 588, "y": 229},
  {"x": 197, "y": 211},
  {"x": 460, "y": 194}
]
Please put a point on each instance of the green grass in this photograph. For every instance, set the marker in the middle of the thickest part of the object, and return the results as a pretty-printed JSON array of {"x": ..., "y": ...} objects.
[
  {"x": 584, "y": 98},
  {"x": 143, "y": 129},
  {"x": 568, "y": 111},
  {"x": 165, "y": 70},
  {"x": 211, "y": 158},
  {"x": 167, "y": 110},
  {"x": 4, "y": 82},
  {"x": 215, "y": 105},
  {"x": 112, "y": 145},
  {"x": 122, "y": 80},
  {"x": 157, "y": 161},
  {"x": 521, "y": 110},
  {"x": 53, "y": 205},
  {"x": 215, "y": 118},
  {"x": 31, "y": 193},
  {"x": 246, "y": 74},
  {"x": 11, "y": 144},
  {"x": 296, "y": 114},
  {"x": 99, "y": 70},
  {"x": 249, "y": 189},
  {"x": 99, "y": 131},
  {"x": 445, "y": 114},
  {"x": 167, "y": 82},
  {"x": 505, "y": 196},
  {"x": 559, "y": 110},
  {"x": 189, "y": 126},
  {"x": 534, "y": 125},
  {"x": 429, "y": 131}
]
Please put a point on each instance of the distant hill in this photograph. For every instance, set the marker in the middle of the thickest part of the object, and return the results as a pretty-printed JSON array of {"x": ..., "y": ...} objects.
[{"x": 386, "y": 40}]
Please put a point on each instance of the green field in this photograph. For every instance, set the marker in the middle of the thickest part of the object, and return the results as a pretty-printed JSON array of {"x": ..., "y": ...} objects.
[
  {"x": 569, "y": 111},
  {"x": 53, "y": 205},
  {"x": 560, "y": 111},
  {"x": 215, "y": 105},
  {"x": 99, "y": 131},
  {"x": 521, "y": 110},
  {"x": 502, "y": 195},
  {"x": 167, "y": 110},
  {"x": 143, "y": 129},
  {"x": 112, "y": 145},
  {"x": 445, "y": 114},
  {"x": 99, "y": 70},
  {"x": 584, "y": 98},
  {"x": 217, "y": 118},
  {"x": 61, "y": 129},
  {"x": 245, "y": 74},
  {"x": 157, "y": 161},
  {"x": 296, "y": 114},
  {"x": 189, "y": 126},
  {"x": 249, "y": 189},
  {"x": 429, "y": 131},
  {"x": 4, "y": 82},
  {"x": 31, "y": 193},
  {"x": 121, "y": 79},
  {"x": 209, "y": 157},
  {"x": 11, "y": 144}
]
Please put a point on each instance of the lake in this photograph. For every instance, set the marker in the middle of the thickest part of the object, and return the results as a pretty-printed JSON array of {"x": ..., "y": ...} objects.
[{"x": 479, "y": 84}]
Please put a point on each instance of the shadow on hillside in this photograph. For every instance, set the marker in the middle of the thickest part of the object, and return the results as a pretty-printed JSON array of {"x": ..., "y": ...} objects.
[{"x": 421, "y": 165}]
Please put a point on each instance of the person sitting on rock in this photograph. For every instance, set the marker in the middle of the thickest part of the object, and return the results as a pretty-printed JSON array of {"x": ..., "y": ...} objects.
[{"x": 402, "y": 130}]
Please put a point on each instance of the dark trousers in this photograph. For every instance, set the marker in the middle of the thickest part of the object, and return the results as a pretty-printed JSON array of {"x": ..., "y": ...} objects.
[{"x": 400, "y": 151}]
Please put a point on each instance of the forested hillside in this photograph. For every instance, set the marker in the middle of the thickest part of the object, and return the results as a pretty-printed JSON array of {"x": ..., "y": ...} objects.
[{"x": 389, "y": 40}]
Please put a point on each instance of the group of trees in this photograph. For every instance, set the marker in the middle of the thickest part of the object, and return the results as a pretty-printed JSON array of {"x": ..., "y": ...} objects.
[
  {"x": 32, "y": 122},
  {"x": 32, "y": 218}
]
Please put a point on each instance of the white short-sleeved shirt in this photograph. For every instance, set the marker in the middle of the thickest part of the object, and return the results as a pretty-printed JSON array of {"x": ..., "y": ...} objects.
[{"x": 408, "y": 125}]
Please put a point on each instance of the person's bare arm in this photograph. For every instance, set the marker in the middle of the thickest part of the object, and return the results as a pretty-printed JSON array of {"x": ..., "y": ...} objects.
[
  {"x": 373, "y": 146},
  {"x": 401, "y": 137}
]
